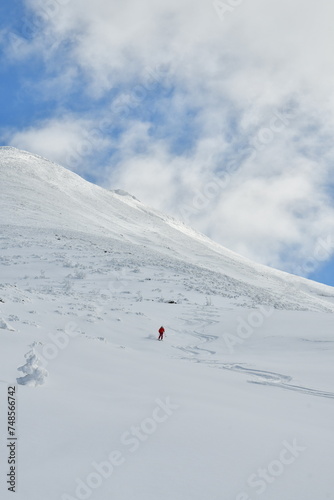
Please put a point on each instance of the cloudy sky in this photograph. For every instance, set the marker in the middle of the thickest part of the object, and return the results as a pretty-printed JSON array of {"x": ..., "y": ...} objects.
[{"x": 219, "y": 113}]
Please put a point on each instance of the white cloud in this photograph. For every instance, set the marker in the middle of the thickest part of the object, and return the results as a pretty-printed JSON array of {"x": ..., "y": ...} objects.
[{"x": 67, "y": 140}]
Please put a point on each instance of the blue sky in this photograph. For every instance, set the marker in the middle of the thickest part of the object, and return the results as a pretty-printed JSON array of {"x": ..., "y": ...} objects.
[{"x": 219, "y": 113}]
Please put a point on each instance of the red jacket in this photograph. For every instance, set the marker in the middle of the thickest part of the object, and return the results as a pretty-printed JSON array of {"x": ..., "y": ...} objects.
[{"x": 161, "y": 330}]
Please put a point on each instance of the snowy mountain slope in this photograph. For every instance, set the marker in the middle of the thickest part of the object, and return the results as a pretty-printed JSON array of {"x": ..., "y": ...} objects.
[
  {"x": 37, "y": 193},
  {"x": 237, "y": 401}
]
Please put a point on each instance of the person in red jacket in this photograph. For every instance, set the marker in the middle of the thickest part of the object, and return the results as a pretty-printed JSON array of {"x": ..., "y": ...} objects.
[{"x": 161, "y": 333}]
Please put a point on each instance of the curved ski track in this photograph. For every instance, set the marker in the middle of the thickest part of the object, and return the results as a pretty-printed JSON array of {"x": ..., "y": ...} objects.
[{"x": 261, "y": 377}]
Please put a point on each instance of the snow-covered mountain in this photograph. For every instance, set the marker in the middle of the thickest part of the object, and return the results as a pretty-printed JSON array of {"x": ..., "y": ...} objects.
[
  {"x": 235, "y": 403},
  {"x": 36, "y": 193}
]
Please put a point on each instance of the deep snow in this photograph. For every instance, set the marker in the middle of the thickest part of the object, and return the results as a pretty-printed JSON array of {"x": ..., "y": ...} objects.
[{"x": 236, "y": 403}]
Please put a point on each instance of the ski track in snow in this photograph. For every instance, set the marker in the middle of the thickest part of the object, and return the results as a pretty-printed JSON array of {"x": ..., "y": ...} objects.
[{"x": 260, "y": 377}]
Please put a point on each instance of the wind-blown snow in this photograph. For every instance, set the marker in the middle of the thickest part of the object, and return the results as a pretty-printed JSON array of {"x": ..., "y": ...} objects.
[{"x": 243, "y": 382}]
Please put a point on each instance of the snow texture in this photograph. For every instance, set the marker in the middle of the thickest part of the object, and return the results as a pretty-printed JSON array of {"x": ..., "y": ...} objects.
[
  {"x": 34, "y": 374},
  {"x": 235, "y": 404},
  {"x": 5, "y": 326}
]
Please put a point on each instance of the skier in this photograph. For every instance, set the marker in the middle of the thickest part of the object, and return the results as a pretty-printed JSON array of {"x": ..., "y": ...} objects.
[{"x": 161, "y": 333}]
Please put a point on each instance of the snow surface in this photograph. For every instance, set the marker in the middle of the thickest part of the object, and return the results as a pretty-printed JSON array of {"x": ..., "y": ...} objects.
[{"x": 237, "y": 401}]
